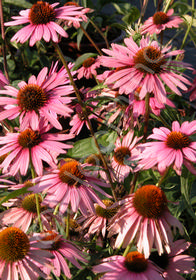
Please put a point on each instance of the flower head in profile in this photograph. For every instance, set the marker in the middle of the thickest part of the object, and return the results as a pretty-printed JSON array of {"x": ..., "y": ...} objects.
[
  {"x": 42, "y": 20},
  {"x": 63, "y": 250},
  {"x": 160, "y": 21},
  {"x": 78, "y": 120},
  {"x": 147, "y": 65},
  {"x": 88, "y": 68},
  {"x": 125, "y": 153},
  {"x": 82, "y": 15},
  {"x": 35, "y": 144},
  {"x": 144, "y": 217},
  {"x": 3, "y": 80},
  {"x": 21, "y": 256},
  {"x": 137, "y": 105},
  {"x": 116, "y": 108},
  {"x": 173, "y": 148},
  {"x": 175, "y": 262},
  {"x": 23, "y": 212},
  {"x": 97, "y": 222},
  {"x": 70, "y": 184},
  {"x": 133, "y": 266}
]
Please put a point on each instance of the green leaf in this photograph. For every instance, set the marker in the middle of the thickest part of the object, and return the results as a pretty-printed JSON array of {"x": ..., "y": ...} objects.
[
  {"x": 81, "y": 59},
  {"x": 14, "y": 194},
  {"x": 82, "y": 148},
  {"x": 80, "y": 33},
  {"x": 131, "y": 16},
  {"x": 18, "y": 3}
]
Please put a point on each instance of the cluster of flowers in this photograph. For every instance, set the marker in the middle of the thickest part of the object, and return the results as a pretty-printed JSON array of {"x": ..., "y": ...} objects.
[{"x": 140, "y": 77}]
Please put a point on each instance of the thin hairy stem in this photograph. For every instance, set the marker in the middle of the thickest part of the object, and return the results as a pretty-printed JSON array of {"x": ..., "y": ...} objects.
[
  {"x": 85, "y": 113},
  {"x": 3, "y": 44},
  {"x": 189, "y": 25},
  {"x": 90, "y": 39},
  {"x": 33, "y": 174},
  {"x": 67, "y": 222},
  {"x": 126, "y": 251},
  {"x": 146, "y": 118},
  {"x": 143, "y": 10},
  {"x": 167, "y": 4},
  {"x": 101, "y": 33}
]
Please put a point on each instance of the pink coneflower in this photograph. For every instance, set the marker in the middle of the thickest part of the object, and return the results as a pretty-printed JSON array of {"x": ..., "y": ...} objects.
[
  {"x": 21, "y": 256},
  {"x": 82, "y": 15},
  {"x": 174, "y": 148},
  {"x": 125, "y": 154},
  {"x": 41, "y": 19},
  {"x": 138, "y": 106},
  {"x": 3, "y": 80},
  {"x": 24, "y": 212},
  {"x": 78, "y": 120},
  {"x": 116, "y": 108},
  {"x": 45, "y": 96},
  {"x": 160, "y": 21},
  {"x": 97, "y": 222},
  {"x": 146, "y": 218},
  {"x": 70, "y": 185},
  {"x": 133, "y": 266},
  {"x": 62, "y": 250},
  {"x": 34, "y": 145},
  {"x": 148, "y": 65},
  {"x": 88, "y": 68},
  {"x": 174, "y": 262},
  {"x": 94, "y": 160}
]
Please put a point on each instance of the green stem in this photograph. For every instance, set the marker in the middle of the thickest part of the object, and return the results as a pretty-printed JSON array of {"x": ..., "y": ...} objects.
[
  {"x": 85, "y": 113},
  {"x": 146, "y": 119},
  {"x": 33, "y": 173},
  {"x": 143, "y": 10},
  {"x": 127, "y": 249},
  {"x": 163, "y": 177},
  {"x": 67, "y": 222},
  {"x": 101, "y": 33},
  {"x": 3, "y": 44},
  {"x": 133, "y": 183},
  {"x": 168, "y": 2},
  {"x": 189, "y": 25},
  {"x": 56, "y": 209},
  {"x": 90, "y": 39}
]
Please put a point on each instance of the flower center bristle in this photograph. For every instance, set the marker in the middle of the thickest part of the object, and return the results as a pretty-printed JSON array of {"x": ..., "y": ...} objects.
[
  {"x": 71, "y": 173},
  {"x": 88, "y": 62},
  {"x": 31, "y": 98},
  {"x": 104, "y": 212},
  {"x": 71, "y": 4},
  {"x": 161, "y": 260},
  {"x": 160, "y": 18},
  {"x": 120, "y": 154},
  {"x": 52, "y": 236},
  {"x": 150, "y": 201},
  {"x": 41, "y": 13},
  {"x": 29, "y": 138},
  {"x": 94, "y": 159},
  {"x": 29, "y": 203},
  {"x": 14, "y": 244},
  {"x": 149, "y": 60},
  {"x": 135, "y": 262},
  {"x": 28, "y": 184},
  {"x": 177, "y": 140}
]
